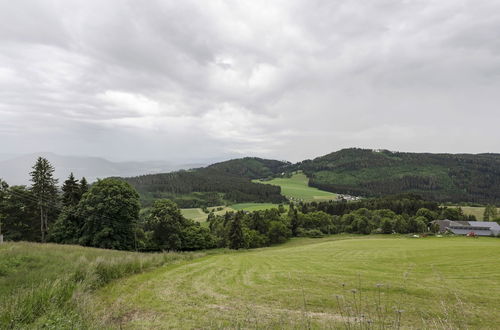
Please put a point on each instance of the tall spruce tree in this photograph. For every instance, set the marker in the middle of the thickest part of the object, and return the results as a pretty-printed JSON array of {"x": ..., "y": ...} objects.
[
  {"x": 236, "y": 238},
  {"x": 84, "y": 186},
  {"x": 71, "y": 191},
  {"x": 45, "y": 190}
]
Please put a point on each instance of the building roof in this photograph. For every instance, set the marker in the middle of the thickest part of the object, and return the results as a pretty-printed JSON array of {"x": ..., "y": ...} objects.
[
  {"x": 489, "y": 224},
  {"x": 481, "y": 228}
]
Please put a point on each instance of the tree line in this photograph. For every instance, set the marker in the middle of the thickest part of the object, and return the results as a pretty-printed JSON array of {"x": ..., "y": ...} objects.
[
  {"x": 402, "y": 214},
  {"x": 203, "y": 187},
  {"x": 108, "y": 214}
]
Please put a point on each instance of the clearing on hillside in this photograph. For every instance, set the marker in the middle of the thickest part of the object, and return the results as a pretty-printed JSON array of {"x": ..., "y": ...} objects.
[
  {"x": 333, "y": 282},
  {"x": 296, "y": 187},
  {"x": 197, "y": 214},
  {"x": 477, "y": 211}
]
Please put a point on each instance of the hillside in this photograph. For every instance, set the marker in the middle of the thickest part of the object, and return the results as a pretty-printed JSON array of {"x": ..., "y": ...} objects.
[
  {"x": 216, "y": 184},
  {"x": 438, "y": 177},
  {"x": 296, "y": 188},
  {"x": 360, "y": 172}
]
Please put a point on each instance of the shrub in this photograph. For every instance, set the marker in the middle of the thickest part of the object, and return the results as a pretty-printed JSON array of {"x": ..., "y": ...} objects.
[{"x": 313, "y": 233}]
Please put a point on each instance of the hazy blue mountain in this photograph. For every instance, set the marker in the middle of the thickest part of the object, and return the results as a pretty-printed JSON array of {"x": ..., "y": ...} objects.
[{"x": 16, "y": 170}]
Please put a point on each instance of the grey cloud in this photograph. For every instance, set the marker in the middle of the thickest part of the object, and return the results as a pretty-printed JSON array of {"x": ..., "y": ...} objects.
[{"x": 286, "y": 79}]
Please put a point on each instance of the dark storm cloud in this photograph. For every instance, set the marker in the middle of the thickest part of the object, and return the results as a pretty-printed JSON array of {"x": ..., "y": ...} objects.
[{"x": 284, "y": 79}]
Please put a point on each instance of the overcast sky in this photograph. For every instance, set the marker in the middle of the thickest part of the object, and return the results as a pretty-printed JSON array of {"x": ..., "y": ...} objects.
[{"x": 183, "y": 80}]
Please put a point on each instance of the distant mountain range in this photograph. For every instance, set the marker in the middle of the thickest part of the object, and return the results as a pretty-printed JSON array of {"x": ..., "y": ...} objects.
[{"x": 15, "y": 171}]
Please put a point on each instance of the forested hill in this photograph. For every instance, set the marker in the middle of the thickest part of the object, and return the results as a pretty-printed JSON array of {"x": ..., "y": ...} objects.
[
  {"x": 216, "y": 184},
  {"x": 438, "y": 177},
  {"x": 360, "y": 172},
  {"x": 252, "y": 168}
]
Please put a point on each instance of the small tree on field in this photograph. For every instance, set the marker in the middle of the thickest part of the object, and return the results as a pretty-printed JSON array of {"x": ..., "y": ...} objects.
[{"x": 490, "y": 213}]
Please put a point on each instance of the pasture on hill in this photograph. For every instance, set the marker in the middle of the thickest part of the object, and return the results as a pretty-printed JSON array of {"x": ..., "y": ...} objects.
[
  {"x": 197, "y": 214},
  {"x": 338, "y": 281},
  {"x": 477, "y": 211},
  {"x": 296, "y": 188}
]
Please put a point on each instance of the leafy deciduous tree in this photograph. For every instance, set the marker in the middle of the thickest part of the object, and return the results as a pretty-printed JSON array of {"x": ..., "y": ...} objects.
[
  {"x": 167, "y": 224},
  {"x": 110, "y": 210}
]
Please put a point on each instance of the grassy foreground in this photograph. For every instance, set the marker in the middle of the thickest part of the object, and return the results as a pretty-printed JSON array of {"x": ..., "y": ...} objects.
[
  {"x": 339, "y": 281},
  {"x": 50, "y": 285},
  {"x": 296, "y": 187}
]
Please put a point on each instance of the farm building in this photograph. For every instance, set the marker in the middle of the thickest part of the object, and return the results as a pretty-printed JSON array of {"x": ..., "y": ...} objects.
[{"x": 480, "y": 228}]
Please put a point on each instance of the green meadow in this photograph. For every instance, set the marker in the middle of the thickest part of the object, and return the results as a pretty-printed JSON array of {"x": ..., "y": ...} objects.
[
  {"x": 351, "y": 282},
  {"x": 296, "y": 187},
  {"x": 197, "y": 214},
  {"x": 477, "y": 211}
]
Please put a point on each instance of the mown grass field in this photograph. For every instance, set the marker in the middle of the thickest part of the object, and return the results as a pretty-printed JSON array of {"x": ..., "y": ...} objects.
[
  {"x": 49, "y": 285},
  {"x": 296, "y": 187},
  {"x": 338, "y": 281},
  {"x": 197, "y": 214}
]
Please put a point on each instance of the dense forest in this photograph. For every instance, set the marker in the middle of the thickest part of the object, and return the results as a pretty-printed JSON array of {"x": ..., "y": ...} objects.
[
  {"x": 437, "y": 177},
  {"x": 217, "y": 184}
]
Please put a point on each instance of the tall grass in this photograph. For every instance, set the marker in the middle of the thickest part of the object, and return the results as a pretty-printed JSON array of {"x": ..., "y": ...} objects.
[{"x": 38, "y": 295}]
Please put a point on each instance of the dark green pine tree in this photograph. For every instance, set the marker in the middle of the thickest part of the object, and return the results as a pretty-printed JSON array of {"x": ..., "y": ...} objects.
[
  {"x": 71, "y": 191},
  {"x": 45, "y": 190},
  {"x": 84, "y": 186},
  {"x": 294, "y": 221},
  {"x": 236, "y": 238}
]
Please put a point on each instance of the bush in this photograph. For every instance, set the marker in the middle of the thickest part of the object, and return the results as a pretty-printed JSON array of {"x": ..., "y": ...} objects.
[
  {"x": 278, "y": 232},
  {"x": 254, "y": 239},
  {"x": 313, "y": 233}
]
